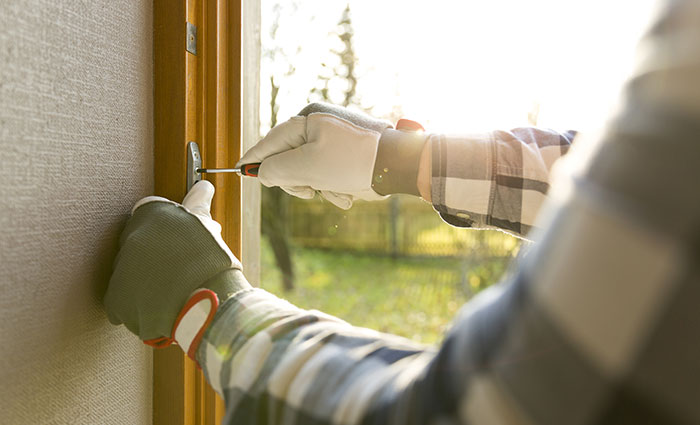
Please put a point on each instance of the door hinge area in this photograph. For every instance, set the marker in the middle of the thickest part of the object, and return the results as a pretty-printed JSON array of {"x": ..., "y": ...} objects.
[{"x": 192, "y": 38}]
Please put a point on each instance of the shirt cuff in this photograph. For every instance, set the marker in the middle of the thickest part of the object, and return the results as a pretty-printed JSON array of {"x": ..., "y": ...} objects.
[{"x": 461, "y": 178}]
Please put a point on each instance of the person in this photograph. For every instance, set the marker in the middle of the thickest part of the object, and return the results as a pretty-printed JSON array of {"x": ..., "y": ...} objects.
[{"x": 599, "y": 324}]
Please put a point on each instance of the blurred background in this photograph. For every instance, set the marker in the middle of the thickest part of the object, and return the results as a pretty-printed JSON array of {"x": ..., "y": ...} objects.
[{"x": 455, "y": 67}]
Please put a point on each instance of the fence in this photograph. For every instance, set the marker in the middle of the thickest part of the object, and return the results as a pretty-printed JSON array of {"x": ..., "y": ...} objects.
[{"x": 399, "y": 226}]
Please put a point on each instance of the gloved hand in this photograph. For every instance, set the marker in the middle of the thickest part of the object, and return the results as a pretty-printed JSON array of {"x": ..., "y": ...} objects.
[
  {"x": 166, "y": 252},
  {"x": 342, "y": 154}
]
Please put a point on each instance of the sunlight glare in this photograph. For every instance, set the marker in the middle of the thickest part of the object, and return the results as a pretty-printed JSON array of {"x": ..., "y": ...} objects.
[{"x": 464, "y": 66}]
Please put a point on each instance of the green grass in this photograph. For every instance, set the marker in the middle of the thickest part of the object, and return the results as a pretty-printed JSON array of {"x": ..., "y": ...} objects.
[{"x": 415, "y": 298}]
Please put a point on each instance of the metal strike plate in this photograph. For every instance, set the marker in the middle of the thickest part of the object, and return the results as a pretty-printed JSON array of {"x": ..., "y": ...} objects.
[
  {"x": 192, "y": 38},
  {"x": 194, "y": 163}
]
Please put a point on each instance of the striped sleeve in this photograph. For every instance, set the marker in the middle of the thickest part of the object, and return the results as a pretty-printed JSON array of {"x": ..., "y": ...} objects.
[
  {"x": 596, "y": 327},
  {"x": 494, "y": 180},
  {"x": 274, "y": 363}
]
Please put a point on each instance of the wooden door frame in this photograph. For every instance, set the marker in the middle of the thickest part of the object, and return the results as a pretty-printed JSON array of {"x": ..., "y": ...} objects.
[{"x": 200, "y": 98}]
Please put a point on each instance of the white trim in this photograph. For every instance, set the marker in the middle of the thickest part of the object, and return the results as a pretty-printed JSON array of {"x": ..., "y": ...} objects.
[
  {"x": 191, "y": 323},
  {"x": 250, "y": 132}
]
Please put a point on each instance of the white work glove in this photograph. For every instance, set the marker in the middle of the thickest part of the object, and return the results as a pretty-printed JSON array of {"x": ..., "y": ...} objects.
[{"x": 326, "y": 149}]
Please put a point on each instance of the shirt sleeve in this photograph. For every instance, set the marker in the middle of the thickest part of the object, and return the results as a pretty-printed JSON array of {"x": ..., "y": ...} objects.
[
  {"x": 494, "y": 180},
  {"x": 599, "y": 321},
  {"x": 275, "y": 363}
]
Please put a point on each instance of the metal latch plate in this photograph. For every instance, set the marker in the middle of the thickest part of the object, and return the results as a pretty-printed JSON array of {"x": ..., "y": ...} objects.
[
  {"x": 192, "y": 38},
  {"x": 194, "y": 164}
]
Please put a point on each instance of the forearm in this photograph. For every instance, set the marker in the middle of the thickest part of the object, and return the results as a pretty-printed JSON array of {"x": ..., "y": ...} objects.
[{"x": 275, "y": 363}]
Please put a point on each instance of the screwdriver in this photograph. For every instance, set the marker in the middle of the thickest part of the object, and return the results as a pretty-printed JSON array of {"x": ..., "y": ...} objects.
[
  {"x": 195, "y": 169},
  {"x": 246, "y": 170}
]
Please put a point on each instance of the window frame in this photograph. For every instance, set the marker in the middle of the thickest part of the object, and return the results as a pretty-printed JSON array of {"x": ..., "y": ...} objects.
[{"x": 201, "y": 98}]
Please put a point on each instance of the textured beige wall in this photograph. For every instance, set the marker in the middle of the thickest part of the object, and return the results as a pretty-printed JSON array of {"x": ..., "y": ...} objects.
[{"x": 76, "y": 152}]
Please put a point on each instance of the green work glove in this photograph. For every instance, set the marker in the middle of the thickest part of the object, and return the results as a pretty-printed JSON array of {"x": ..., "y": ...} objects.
[{"x": 166, "y": 252}]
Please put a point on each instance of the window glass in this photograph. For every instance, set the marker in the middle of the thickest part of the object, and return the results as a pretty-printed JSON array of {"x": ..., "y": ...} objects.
[{"x": 455, "y": 67}]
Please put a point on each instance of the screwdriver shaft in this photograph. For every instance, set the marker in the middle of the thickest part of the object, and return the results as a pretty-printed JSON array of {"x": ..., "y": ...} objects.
[
  {"x": 250, "y": 170},
  {"x": 219, "y": 170}
]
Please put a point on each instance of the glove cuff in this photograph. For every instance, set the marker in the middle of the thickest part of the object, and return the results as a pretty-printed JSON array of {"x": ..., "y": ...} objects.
[
  {"x": 398, "y": 158},
  {"x": 227, "y": 283},
  {"x": 199, "y": 310},
  {"x": 191, "y": 322},
  {"x": 194, "y": 319}
]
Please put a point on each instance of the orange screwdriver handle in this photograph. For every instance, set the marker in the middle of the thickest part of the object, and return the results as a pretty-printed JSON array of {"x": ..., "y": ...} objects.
[{"x": 250, "y": 169}]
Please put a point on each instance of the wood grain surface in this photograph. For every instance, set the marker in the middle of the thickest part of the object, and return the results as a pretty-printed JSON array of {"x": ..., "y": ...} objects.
[{"x": 197, "y": 98}]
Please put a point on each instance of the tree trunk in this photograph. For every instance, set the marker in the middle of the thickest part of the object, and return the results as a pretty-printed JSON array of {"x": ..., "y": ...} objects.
[{"x": 274, "y": 227}]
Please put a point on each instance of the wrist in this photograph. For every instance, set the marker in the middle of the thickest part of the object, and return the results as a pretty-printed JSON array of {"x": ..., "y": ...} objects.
[
  {"x": 398, "y": 159},
  {"x": 227, "y": 283}
]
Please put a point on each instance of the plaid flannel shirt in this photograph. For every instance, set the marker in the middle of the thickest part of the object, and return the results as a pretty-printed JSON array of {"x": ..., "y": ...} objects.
[
  {"x": 599, "y": 323},
  {"x": 495, "y": 180}
]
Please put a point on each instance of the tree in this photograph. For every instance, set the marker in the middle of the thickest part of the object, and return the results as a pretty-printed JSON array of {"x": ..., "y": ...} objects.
[
  {"x": 338, "y": 72},
  {"x": 342, "y": 70}
]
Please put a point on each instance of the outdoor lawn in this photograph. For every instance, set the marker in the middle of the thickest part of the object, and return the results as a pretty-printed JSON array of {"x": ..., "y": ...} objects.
[{"x": 413, "y": 297}]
